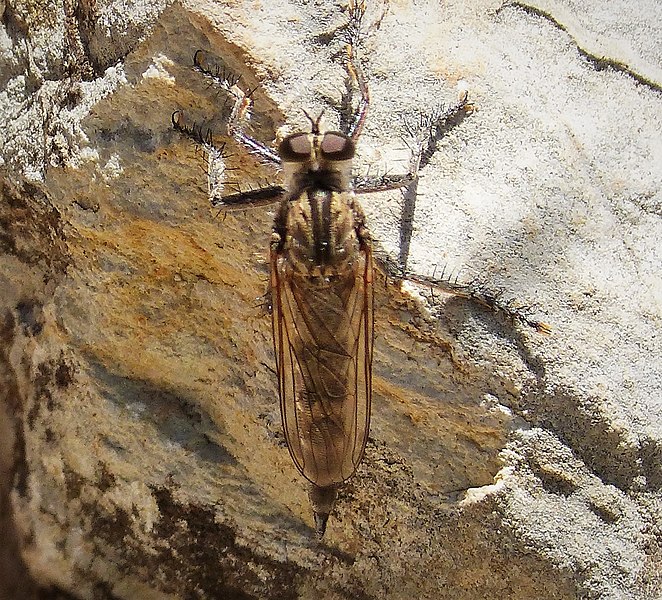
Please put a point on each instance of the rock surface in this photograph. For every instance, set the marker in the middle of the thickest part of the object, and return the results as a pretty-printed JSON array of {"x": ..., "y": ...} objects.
[{"x": 141, "y": 453}]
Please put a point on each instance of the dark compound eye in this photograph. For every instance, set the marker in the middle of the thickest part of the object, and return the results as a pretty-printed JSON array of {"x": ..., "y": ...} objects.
[
  {"x": 295, "y": 148},
  {"x": 337, "y": 146}
]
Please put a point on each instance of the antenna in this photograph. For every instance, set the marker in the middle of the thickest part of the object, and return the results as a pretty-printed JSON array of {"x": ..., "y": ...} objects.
[{"x": 314, "y": 123}]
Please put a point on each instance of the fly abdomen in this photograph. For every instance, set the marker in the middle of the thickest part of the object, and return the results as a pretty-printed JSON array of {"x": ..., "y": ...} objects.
[{"x": 326, "y": 460}]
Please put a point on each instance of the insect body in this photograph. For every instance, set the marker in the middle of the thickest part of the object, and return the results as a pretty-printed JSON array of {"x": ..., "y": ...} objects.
[{"x": 321, "y": 284}]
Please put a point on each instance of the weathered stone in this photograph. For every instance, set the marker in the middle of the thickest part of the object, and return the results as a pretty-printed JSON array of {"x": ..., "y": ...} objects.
[{"x": 141, "y": 450}]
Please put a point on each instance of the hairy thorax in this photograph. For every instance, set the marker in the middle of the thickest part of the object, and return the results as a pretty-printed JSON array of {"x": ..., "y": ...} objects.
[{"x": 321, "y": 241}]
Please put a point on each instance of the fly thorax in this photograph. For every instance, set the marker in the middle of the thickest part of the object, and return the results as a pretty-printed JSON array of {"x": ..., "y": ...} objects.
[{"x": 322, "y": 239}]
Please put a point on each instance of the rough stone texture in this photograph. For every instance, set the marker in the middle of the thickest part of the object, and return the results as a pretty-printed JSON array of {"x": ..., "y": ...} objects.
[{"x": 141, "y": 454}]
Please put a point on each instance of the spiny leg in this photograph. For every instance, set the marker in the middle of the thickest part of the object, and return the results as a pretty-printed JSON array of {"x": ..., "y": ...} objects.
[
  {"x": 215, "y": 154},
  {"x": 428, "y": 130},
  {"x": 243, "y": 102},
  {"x": 353, "y": 119},
  {"x": 224, "y": 80},
  {"x": 368, "y": 184},
  {"x": 468, "y": 290},
  {"x": 216, "y": 170},
  {"x": 425, "y": 133}
]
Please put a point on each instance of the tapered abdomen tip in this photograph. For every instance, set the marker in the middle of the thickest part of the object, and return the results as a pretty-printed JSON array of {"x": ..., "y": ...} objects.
[
  {"x": 322, "y": 500},
  {"x": 320, "y": 524}
]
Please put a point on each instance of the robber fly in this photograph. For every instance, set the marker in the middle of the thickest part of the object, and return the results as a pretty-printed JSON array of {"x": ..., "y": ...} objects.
[
  {"x": 321, "y": 281},
  {"x": 321, "y": 285}
]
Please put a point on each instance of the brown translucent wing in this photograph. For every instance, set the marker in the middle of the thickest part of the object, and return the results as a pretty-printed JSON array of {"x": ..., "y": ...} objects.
[{"x": 323, "y": 335}]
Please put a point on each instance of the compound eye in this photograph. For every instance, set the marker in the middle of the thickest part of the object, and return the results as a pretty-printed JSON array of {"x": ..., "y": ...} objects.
[
  {"x": 337, "y": 146},
  {"x": 295, "y": 148}
]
